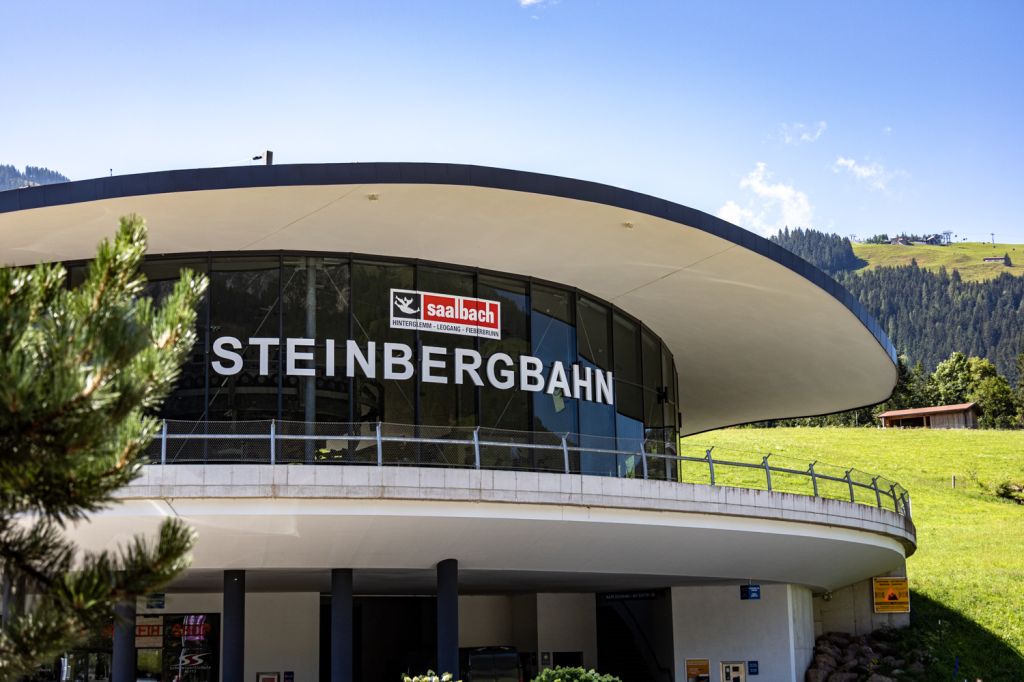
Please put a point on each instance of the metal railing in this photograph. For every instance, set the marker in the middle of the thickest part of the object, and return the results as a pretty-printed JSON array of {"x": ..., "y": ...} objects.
[{"x": 387, "y": 444}]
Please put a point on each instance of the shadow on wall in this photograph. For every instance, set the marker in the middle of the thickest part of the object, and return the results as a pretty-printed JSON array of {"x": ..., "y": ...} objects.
[{"x": 949, "y": 635}]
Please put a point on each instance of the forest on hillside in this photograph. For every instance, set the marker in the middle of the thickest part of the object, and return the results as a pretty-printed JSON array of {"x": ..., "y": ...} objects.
[
  {"x": 12, "y": 178},
  {"x": 927, "y": 315}
]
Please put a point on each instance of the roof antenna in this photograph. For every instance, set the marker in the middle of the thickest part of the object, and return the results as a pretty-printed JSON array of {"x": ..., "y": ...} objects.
[{"x": 267, "y": 155}]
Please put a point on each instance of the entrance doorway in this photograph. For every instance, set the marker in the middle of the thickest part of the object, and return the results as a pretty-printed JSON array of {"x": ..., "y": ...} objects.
[
  {"x": 391, "y": 636},
  {"x": 634, "y": 635}
]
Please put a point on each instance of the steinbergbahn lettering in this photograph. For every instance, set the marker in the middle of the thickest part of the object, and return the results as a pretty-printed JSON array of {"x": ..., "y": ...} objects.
[{"x": 437, "y": 365}]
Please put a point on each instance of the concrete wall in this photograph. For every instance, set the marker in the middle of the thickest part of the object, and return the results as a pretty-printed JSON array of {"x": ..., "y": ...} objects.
[
  {"x": 851, "y": 609},
  {"x": 485, "y": 621},
  {"x": 282, "y": 630},
  {"x": 568, "y": 622},
  {"x": 713, "y": 622}
]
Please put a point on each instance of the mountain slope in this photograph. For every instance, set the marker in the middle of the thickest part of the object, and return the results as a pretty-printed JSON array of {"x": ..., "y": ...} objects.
[{"x": 965, "y": 257}]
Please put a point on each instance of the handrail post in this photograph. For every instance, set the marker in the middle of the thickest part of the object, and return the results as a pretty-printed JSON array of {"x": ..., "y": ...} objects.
[
  {"x": 476, "y": 446},
  {"x": 643, "y": 459},
  {"x": 814, "y": 479},
  {"x": 380, "y": 448},
  {"x": 163, "y": 443},
  {"x": 767, "y": 470},
  {"x": 849, "y": 482},
  {"x": 907, "y": 510},
  {"x": 878, "y": 495},
  {"x": 565, "y": 453},
  {"x": 273, "y": 439},
  {"x": 892, "y": 494},
  {"x": 711, "y": 463}
]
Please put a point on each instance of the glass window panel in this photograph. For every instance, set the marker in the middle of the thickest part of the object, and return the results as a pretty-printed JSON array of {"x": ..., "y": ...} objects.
[
  {"x": 553, "y": 338},
  {"x": 556, "y": 303},
  {"x": 188, "y": 399},
  {"x": 592, "y": 336},
  {"x": 377, "y": 399},
  {"x": 668, "y": 381},
  {"x": 506, "y": 409},
  {"x": 448, "y": 404},
  {"x": 630, "y": 439},
  {"x": 316, "y": 293},
  {"x": 629, "y": 399},
  {"x": 77, "y": 274},
  {"x": 244, "y": 300},
  {"x": 627, "y": 350},
  {"x": 597, "y": 430},
  {"x": 653, "y": 415}
]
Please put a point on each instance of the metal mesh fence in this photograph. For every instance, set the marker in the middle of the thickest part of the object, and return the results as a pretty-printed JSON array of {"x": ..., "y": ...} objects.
[{"x": 266, "y": 442}]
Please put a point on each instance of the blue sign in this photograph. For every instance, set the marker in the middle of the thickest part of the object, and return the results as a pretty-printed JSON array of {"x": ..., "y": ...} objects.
[
  {"x": 156, "y": 600},
  {"x": 752, "y": 667},
  {"x": 750, "y": 591}
]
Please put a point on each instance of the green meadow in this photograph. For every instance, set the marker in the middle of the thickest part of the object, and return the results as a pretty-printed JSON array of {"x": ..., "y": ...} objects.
[
  {"x": 967, "y": 576},
  {"x": 966, "y": 257}
]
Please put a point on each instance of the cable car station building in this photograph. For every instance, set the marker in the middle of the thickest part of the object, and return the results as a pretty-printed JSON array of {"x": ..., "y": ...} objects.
[{"x": 434, "y": 410}]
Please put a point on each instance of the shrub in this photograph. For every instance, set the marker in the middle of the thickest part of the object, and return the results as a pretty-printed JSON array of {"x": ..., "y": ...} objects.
[
  {"x": 431, "y": 676},
  {"x": 1011, "y": 490},
  {"x": 573, "y": 675}
]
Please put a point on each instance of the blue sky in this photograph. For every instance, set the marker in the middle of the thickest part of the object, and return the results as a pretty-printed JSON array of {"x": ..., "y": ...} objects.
[{"x": 856, "y": 117}]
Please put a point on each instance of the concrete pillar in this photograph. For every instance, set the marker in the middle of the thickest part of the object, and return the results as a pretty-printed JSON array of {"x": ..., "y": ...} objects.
[
  {"x": 341, "y": 625},
  {"x": 123, "y": 663},
  {"x": 234, "y": 626},
  {"x": 447, "y": 617}
]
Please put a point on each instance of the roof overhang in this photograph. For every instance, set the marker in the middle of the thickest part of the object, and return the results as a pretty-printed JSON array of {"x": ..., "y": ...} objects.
[{"x": 757, "y": 332}]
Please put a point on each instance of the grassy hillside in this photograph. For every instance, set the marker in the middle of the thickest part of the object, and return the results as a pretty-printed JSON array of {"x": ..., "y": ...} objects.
[
  {"x": 965, "y": 257},
  {"x": 968, "y": 572}
]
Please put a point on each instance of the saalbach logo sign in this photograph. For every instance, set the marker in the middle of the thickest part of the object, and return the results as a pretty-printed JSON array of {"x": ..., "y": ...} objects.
[{"x": 445, "y": 313}]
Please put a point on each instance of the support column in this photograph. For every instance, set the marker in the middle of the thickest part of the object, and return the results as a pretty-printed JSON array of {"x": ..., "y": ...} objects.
[
  {"x": 123, "y": 663},
  {"x": 341, "y": 625},
  {"x": 234, "y": 626},
  {"x": 447, "y": 618}
]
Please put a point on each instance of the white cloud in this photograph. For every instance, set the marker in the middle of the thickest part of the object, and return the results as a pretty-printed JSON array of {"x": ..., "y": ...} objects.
[
  {"x": 887, "y": 130},
  {"x": 873, "y": 174},
  {"x": 772, "y": 206},
  {"x": 528, "y": 3},
  {"x": 799, "y": 133}
]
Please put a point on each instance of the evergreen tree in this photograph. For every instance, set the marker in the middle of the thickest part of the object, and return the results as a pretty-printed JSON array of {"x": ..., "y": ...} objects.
[
  {"x": 81, "y": 371},
  {"x": 828, "y": 252}
]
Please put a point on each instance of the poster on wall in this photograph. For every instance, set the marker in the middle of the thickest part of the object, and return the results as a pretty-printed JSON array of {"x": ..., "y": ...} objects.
[
  {"x": 698, "y": 670},
  {"x": 191, "y": 647}
]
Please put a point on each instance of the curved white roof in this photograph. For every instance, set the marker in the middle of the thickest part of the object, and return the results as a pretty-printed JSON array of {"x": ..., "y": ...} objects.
[{"x": 757, "y": 333}]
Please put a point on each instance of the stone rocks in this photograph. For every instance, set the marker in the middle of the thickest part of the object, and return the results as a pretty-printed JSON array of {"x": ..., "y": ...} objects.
[
  {"x": 844, "y": 677},
  {"x": 840, "y": 657}
]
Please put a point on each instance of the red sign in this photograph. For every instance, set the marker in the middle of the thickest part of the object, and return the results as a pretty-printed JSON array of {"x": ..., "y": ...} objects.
[{"x": 445, "y": 313}]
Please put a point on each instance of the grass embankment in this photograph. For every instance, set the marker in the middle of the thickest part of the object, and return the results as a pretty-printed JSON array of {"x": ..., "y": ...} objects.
[
  {"x": 967, "y": 575},
  {"x": 967, "y": 257}
]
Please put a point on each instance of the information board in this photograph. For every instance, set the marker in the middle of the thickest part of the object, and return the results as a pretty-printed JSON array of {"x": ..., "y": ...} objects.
[
  {"x": 698, "y": 670},
  {"x": 891, "y": 595}
]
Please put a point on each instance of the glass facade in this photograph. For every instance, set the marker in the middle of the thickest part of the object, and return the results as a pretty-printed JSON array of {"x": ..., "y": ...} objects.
[{"x": 265, "y": 300}]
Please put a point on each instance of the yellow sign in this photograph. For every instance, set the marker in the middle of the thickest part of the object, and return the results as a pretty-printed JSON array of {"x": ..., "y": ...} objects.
[
  {"x": 698, "y": 670},
  {"x": 891, "y": 595}
]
